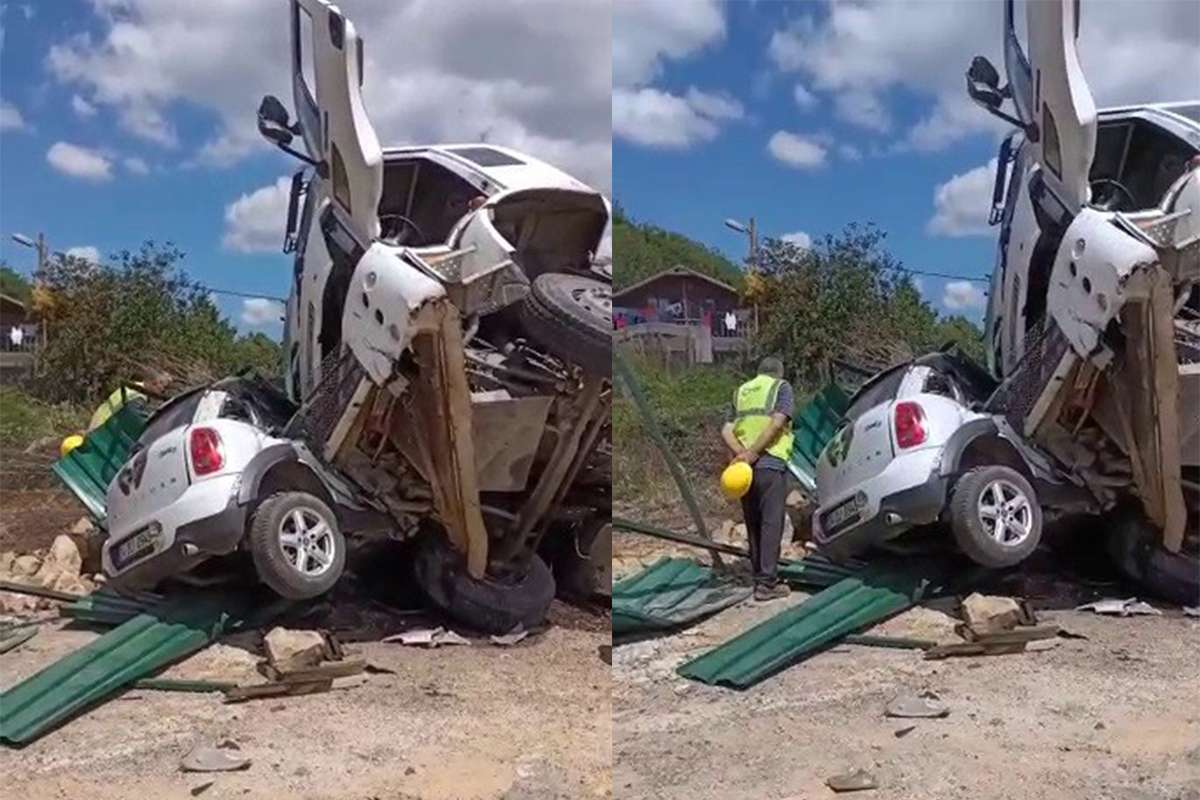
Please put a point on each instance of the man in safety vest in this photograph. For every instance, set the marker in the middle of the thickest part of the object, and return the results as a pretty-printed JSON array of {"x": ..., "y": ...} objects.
[
  {"x": 155, "y": 385},
  {"x": 761, "y": 435}
]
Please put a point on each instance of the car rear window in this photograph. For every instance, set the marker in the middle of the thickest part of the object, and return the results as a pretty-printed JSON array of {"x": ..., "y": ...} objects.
[
  {"x": 880, "y": 390},
  {"x": 179, "y": 411},
  {"x": 486, "y": 156}
]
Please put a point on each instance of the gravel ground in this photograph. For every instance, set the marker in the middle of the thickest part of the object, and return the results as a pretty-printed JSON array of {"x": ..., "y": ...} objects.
[
  {"x": 1113, "y": 716},
  {"x": 529, "y": 722}
]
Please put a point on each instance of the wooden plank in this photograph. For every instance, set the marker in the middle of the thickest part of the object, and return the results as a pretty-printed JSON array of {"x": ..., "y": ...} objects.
[
  {"x": 240, "y": 693},
  {"x": 327, "y": 670}
]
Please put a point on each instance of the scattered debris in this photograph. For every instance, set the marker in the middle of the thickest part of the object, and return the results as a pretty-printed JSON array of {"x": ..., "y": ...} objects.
[
  {"x": 427, "y": 637},
  {"x": 1122, "y": 608},
  {"x": 989, "y": 614},
  {"x": 994, "y": 644},
  {"x": 900, "y": 733},
  {"x": 16, "y": 637},
  {"x": 925, "y": 705},
  {"x": 893, "y": 642},
  {"x": 855, "y": 781},
  {"x": 172, "y": 685},
  {"x": 1191, "y": 611},
  {"x": 196, "y": 791},
  {"x": 225, "y": 757},
  {"x": 300, "y": 663},
  {"x": 1041, "y": 644},
  {"x": 605, "y": 653},
  {"x": 289, "y": 650},
  {"x": 512, "y": 637}
]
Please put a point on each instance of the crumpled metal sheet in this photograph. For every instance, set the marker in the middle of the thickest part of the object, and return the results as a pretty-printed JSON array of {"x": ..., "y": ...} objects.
[
  {"x": 135, "y": 649},
  {"x": 787, "y": 638},
  {"x": 670, "y": 593}
]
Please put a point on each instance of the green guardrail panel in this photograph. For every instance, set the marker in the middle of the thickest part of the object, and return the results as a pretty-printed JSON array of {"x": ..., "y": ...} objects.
[
  {"x": 813, "y": 425},
  {"x": 90, "y": 468},
  {"x": 670, "y": 593}
]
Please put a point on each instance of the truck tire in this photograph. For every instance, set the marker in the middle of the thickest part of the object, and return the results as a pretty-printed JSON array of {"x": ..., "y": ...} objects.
[
  {"x": 571, "y": 317},
  {"x": 995, "y": 516},
  {"x": 296, "y": 544},
  {"x": 1134, "y": 546},
  {"x": 583, "y": 563},
  {"x": 490, "y": 605}
]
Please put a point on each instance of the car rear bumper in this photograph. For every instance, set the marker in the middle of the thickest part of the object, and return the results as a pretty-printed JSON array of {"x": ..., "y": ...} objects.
[
  {"x": 896, "y": 513},
  {"x": 191, "y": 543}
]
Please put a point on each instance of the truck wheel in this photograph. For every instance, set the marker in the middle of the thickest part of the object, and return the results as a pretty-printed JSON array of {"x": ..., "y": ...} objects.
[
  {"x": 1135, "y": 547},
  {"x": 571, "y": 317},
  {"x": 491, "y": 605},
  {"x": 995, "y": 516},
  {"x": 583, "y": 564},
  {"x": 296, "y": 545}
]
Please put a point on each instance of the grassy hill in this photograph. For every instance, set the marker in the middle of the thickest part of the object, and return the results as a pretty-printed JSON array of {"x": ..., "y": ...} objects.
[{"x": 641, "y": 249}]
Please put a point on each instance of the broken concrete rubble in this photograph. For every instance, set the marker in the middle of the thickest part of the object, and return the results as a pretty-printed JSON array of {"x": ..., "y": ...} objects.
[
  {"x": 986, "y": 614},
  {"x": 292, "y": 650}
]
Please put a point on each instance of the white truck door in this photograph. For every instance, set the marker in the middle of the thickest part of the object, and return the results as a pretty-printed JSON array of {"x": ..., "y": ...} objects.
[
  {"x": 1062, "y": 107},
  {"x": 327, "y": 63}
]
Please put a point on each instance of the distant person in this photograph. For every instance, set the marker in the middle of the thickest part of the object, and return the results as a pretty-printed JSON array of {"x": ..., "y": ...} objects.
[
  {"x": 16, "y": 336},
  {"x": 155, "y": 384},
  {"x": 760, "y": 434}
]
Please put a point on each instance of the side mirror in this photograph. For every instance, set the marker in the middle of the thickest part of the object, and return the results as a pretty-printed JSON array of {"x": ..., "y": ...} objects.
[
  {"x": 983, "y": 83},
  {"x": 273, "y": 121}
]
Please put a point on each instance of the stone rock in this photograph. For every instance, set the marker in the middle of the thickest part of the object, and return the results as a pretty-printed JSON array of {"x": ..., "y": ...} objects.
[
  {"x": 989, "y": 614},
  {"x": 725, "y": 532},
  {"x": 12, "y": 603},
  {"x": 26, "y": 565},
  {"x": 63, "y": 558},
  {"x": 6, "y": 561},
  {"x": 289, "y": 650},
  {"x": 796, "y": 499},
  {"x": 82, "y": 527}
]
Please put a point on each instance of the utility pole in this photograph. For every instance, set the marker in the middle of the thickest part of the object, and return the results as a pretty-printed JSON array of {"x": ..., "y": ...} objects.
[{"x": 42, "y": 250}]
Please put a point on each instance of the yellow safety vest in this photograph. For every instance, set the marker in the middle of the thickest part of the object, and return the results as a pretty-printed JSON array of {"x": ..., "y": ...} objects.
[
  {"x": 113, "y": 404},
  {"x": 753, "y": 403}
]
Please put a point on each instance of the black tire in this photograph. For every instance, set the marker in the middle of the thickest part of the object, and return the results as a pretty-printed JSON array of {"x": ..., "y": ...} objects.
[
  {"x": 571, "y": 317},
  {"x": 583, "y": 563},
  {"x": 271, "y": 561},
  {"x": 489, "y": 605},
  {"x": 974, "y": 538},
  {"x": 1136, "y": 549}
]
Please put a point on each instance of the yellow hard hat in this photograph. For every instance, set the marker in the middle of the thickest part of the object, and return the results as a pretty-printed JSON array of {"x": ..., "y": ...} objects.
[
  {"x": 735, "y": 480},
  {"x": 69, "y": 444}
]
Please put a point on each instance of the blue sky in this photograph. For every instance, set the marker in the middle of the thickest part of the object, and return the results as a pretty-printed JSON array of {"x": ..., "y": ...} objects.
[
  {"x": 866, "y": 107},
  {"x": 126, "y": 120}
]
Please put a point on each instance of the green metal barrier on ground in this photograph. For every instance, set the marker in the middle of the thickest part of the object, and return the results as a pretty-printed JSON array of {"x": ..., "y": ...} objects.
[{"x": 813, "y": 426}]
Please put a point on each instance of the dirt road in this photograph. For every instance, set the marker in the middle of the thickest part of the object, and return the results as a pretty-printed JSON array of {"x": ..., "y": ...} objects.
[
  {"x": 525, "y": 723},
  {"x": 1113, "y": 716}
]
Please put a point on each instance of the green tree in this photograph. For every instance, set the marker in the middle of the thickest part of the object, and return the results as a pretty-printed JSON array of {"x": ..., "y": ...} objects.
[
  {"x": 105, "y": 321},
  {"x": 641, "y": 250},
  {"x": 14, "y": 284}
]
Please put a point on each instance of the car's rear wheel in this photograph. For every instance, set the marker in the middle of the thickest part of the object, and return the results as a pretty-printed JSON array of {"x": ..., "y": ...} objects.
[
  {"x": 571, "y": 317},
  {"x": 995, "y": 516},
  {"x": 297, "y": 547},
  {"x": 489, "y": 604}
]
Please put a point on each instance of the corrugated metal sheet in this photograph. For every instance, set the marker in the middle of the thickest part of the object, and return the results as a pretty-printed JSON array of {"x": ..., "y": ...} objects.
[
  {"x": 850, "y": 605},
  {"x": 105, "y": 607},
  {"x": 813, "y": 426},
  {"x": 669, "y": 593},
  {"x": 89, "y": 469},
  {"x": 816, "y": 570},
  {"x": 134, "y": 650}
]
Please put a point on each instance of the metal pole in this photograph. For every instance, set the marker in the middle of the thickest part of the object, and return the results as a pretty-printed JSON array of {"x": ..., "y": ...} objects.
[
  {"x": 647, "y": 414},
  {"x": 680, "y": 538},
  {"x": 754, "y": 265}
]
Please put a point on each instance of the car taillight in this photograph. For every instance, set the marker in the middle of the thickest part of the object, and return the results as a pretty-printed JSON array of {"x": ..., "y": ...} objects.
[
  {"x": 910, "y": 428},
  {"x": 206, "y": 451}
]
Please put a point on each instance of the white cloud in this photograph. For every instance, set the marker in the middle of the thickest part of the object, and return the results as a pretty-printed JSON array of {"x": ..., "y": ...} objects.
[
  {"x": 260, "y": 312},
  {"x": 798, "y": 238},
  {"x": 79, "y": 162},
  {"x": 863, "y": 109},
  {"x": 82, "y": 107},
  {"x": 550, "y": 95},
  {"x": 803, "y": 97},
  {"x": 84, "y": 253},
  {"x": 849, "y": 152},
  {"x": 923, "y": 48},
  {"x": 963, "y": 295},
  {"x": 254, "y": 222},
  {"x": 796, "y": 150},
  {"x": 655, "y": 118},
  {"x": 136, "y": 165},
  {"x": 10, "y": 117},
  {"x": 645, "y": 33},
  {"x": 961, "y": 204}
]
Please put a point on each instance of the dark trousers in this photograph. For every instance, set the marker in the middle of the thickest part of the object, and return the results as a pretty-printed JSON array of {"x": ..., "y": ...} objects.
[{"x": 763, "y": 510}]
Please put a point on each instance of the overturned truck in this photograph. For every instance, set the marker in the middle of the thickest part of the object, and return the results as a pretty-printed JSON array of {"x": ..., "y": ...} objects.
[
  {"x": 447, "y": 340},
  {"x": 1093, "y": 321}
]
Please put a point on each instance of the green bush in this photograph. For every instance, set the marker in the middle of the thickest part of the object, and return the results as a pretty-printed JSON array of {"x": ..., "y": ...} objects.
[{"x": 24, "y": 419}]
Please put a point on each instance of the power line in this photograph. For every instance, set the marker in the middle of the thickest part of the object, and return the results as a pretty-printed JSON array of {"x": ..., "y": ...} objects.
[
  {"x": 941, "y": 275},
  {"x": 240, "y": 294}
]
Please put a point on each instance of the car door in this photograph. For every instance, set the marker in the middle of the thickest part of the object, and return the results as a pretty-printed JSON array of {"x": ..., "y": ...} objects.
[
  {"x": 1050, "y": 92},
  {"x": 327, "y": 59}
]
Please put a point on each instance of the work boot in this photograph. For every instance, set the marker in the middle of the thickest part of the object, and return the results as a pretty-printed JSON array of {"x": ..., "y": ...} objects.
[{"x": 764, "y": 593}]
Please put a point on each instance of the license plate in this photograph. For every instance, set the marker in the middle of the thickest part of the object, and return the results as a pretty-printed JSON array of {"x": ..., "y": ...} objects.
[
  {"x": 846, "y": 512},
  {"x": 140, "y": 545}
]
